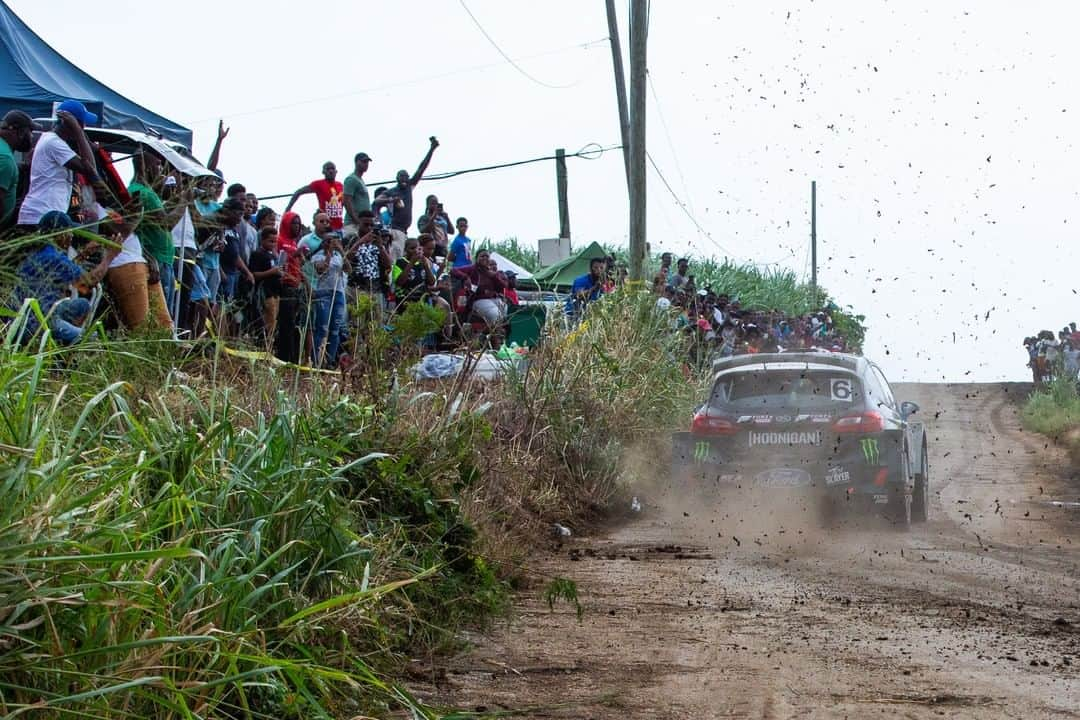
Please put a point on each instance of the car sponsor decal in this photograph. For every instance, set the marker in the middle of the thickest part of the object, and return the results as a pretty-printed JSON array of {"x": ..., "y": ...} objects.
[
  {"x": 783, "y": 477},
  {"x": 840, "y": 389},
  {"x": 881, "y": 499},
  {"x": 767, "y": 419},
  {"x": 870, "y": 451},
  {"x": 785, "y": 438},
  {"x": 837, "y": 475}
]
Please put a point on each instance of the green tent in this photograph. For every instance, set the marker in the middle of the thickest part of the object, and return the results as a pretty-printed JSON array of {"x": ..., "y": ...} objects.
[{"x": 561, "y": 275}]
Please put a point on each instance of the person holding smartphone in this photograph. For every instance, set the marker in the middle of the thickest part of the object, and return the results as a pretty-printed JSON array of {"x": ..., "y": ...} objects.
[{"x": 436, "y": 223}]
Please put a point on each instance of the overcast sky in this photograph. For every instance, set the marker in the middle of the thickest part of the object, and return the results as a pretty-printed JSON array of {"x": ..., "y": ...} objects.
[{"x": 939, "y": 134}]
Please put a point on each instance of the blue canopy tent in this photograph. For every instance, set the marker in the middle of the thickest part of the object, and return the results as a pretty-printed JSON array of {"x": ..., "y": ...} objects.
[{"x": 33, "y": 76}]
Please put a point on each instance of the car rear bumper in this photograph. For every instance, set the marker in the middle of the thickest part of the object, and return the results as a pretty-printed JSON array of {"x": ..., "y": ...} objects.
[{"x": 865, "y": 466}]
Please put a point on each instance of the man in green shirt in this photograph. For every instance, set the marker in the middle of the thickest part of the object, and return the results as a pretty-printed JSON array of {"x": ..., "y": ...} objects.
[
  {"x": 356, "y": 198},
  {"x": 154, "y": 227},
  {"x": 16, "y": 133}
]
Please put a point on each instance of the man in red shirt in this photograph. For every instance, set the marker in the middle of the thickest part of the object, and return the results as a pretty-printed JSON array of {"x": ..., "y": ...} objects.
[{"x": 330, "y": 193}]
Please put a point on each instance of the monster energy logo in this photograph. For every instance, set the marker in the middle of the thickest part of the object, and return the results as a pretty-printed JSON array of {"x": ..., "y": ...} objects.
[
  {"x": 701, "y": 451},
  {"x": 870, "y": 450}
]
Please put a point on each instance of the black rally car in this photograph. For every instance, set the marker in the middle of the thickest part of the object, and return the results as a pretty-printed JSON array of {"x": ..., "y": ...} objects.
[{"x": 823, "y": 424}]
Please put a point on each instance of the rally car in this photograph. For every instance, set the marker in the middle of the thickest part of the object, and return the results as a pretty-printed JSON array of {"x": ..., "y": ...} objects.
[{"x": 823, "y": 425}]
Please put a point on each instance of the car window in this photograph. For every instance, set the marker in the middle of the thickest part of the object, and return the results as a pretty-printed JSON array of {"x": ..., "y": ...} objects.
[
  {"x": 888, "y": 396},
  {"x": 876, "y": 395},
  {"x": 786, "y": 390}
]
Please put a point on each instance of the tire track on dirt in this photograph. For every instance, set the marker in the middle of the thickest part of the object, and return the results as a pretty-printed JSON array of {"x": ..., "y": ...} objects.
[{"x": 694, "y": 612}]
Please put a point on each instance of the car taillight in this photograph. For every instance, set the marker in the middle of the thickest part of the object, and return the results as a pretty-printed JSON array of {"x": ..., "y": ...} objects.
[
  {"x": 705, "y": 424},
  {"x": 867, "y": 422}
]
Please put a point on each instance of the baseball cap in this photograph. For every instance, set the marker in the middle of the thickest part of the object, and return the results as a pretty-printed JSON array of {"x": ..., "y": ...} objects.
[
  {"x": 55, "y": 220},
  {"x": 79, "y": 110},
  {"x": 361, "y": 156},
  {"x": 233, "y": 204}
]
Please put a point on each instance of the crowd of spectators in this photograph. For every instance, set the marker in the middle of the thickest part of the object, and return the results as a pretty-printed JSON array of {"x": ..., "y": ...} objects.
[
  {"x": 719, "y": 326},
  {"x": 1051, "y": 357},
  {"x": 198, "y": 255}
]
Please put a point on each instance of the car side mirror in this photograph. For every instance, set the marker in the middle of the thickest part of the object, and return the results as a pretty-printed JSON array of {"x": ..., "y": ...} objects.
[{"x": 908, "y": 408}]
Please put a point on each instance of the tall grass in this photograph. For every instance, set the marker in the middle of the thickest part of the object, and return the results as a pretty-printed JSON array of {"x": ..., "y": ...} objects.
[{"x": 213, "y": 551}]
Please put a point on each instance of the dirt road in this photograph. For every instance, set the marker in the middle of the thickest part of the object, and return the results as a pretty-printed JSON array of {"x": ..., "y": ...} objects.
[{"x": 693, "y": 611}]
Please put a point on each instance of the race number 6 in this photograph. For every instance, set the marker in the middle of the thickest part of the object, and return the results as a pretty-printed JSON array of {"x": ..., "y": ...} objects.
[{"x": 841, "y": 389}]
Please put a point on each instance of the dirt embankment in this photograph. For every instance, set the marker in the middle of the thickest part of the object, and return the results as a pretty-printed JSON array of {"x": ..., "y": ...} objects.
[{"x": 700, "y": 611}]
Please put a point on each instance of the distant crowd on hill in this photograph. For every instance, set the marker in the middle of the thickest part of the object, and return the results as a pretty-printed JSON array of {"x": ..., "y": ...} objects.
[
  {"x": 718, "y": 323},
  {"x": 1051, "y": 357}
]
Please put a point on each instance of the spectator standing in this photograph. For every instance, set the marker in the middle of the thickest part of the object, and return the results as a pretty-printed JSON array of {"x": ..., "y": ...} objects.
[
  {"x": 156, "y": 240},
  {"x": 436, "y": 223},
  {"x": 16, "y": 133},
  {"x": 207, "y": 191},
  {"x": 370, "y": 261},
  {"x": 287, "y": 343},
  {"x": 681, "y": 279},
  {"x": 54, "y": 162},
  {"x": 460, "y": 254},
  {"x": 266, "y": 267},
  {"x": 356, "y": 196},
  {"x": 129, "y": 279},
  {"x": 331, "y": 268},
  {"x": 233, "y": 265},
  {"x": 330, "y": 194},
  {"x": 401, "y": 195}
]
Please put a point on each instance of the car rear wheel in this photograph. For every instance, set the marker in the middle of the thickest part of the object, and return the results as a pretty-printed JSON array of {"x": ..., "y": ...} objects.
[{"x": 920, "y": 502}]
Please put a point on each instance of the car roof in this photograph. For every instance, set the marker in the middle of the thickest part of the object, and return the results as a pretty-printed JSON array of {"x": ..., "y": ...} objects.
[{"x": 787, "y": 360}]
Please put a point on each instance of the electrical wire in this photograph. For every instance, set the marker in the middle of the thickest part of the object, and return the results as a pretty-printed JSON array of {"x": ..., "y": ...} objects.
[
  {"x": 686, "y": 211},
  {"x": 388, "y": 86},
  {"x": 671, "y": 145},
  {"x": 591, "y": 151},
  {"x": 505, "y": 56},
  {"x": 682, "y": 206}
]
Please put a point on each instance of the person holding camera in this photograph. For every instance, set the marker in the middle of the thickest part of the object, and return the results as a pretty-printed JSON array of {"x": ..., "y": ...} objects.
[
  {"x": 587, "y": 288},
  {"x": 331, "y": 267},
  {"x": 370, "y": 254},
  {"x": 436, "y": 223}
]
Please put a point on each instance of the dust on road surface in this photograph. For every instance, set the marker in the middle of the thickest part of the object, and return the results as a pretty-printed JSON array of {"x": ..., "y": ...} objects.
[{"x": 697, "y": 611}]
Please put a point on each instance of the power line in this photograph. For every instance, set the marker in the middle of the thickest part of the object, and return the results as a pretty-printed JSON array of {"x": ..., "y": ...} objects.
[
  {"x": 592, "y": 151},
  {"x": 505, "y": 56},
  {"x": 388, "y": 86},
  {"x": 686, "y": 211},
  {"x": 671, "y": 145}
]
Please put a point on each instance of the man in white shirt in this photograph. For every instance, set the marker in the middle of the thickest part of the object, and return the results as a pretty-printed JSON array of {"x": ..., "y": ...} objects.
[{"x": 54, "y": 162}]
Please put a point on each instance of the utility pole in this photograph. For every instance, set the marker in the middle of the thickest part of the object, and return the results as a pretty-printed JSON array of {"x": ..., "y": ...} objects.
[
  {"x": 639, "y": 33},
  {"x": 813, "y": 234},
  {"x": 564, "y": 204},
  {"x": 620, "y": 86}
]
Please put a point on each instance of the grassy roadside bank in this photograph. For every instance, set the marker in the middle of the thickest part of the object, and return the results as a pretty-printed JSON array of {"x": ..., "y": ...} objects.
[
  {"x": 187, "y": 534},
  {"x": 1054, "y": 411}
]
